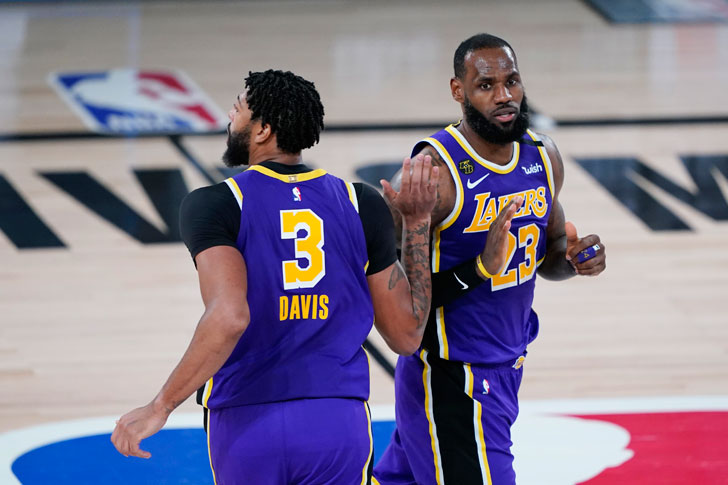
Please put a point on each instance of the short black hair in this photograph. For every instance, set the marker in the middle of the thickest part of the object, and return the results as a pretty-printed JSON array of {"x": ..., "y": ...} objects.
[
  {"x": 478, "y": 41},
  {"x": 289, "y": 104}
]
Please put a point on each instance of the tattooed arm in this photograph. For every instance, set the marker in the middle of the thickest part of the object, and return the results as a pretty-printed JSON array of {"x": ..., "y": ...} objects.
[
  {"x": 445, "y": 198},
  {"x": 401, "y": 295}
]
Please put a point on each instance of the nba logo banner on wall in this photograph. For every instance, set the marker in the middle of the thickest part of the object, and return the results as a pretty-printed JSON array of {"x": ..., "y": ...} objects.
[{"x": 131, "y": 101}]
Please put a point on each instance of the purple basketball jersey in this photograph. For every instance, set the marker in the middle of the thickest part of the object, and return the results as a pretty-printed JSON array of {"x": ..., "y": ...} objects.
[
  {"x": 310, "y": 308},
  {"x": 494, "y": 322}
]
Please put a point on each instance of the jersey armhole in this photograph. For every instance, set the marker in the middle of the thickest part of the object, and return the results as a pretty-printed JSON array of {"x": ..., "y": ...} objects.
[{"x": 235, "y": 189}]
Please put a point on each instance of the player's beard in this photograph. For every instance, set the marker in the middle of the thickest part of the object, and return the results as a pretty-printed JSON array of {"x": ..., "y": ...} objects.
[
  {"x": 238, "y": 148},
  {"x": 492, "y": 132}
]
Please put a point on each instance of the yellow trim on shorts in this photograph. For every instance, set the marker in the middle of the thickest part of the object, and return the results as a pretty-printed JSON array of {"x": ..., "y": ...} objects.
[
  {"x": 209, "y": 451},
  {"x": 430, "y": 419},
  {"x": 289, "y": 178},
  {"x": 371, "y": 445},
  {"x": 478, "y": 424},
  {"x": 208, "y": 391},
  {"x": 444, "y": 348}
]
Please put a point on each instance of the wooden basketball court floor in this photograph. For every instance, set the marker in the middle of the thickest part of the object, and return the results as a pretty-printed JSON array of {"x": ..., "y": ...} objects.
[{"x": 94, "y": 327}]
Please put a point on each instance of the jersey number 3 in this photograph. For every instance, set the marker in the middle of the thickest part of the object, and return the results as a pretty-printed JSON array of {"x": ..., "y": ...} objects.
[{"x": 307, "y": 247}]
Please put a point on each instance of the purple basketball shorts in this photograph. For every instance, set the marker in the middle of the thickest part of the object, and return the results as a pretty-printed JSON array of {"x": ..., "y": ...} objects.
[
  {"x": 453, "y": 423},
  {"x": 305, "y": 441}
]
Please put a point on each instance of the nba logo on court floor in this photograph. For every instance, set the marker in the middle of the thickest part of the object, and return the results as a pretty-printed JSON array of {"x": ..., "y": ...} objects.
[{"x": 131, "y": 101}]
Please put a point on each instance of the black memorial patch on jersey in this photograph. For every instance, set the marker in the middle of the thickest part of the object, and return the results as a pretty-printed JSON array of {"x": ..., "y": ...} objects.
[{"x": 466, "y": 166}]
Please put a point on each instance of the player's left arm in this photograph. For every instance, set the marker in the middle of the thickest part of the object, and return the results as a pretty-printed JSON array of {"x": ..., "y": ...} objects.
[
  {"x": 223, "y": 284},
  {"x": 563, "y": 246}
]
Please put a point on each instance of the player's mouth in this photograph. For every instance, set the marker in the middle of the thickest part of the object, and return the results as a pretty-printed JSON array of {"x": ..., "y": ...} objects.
[{"x": 505, "y": 115}]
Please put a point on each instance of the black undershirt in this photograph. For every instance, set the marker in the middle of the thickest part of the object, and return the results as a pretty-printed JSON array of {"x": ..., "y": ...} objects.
[{"x": 210, "y": 216}]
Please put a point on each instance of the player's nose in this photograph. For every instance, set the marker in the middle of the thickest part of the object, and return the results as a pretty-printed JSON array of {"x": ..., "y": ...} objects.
[{"x": 502, "y": 94}]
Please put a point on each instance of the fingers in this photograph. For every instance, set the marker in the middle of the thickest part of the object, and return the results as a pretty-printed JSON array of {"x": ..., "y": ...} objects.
[
  {"x": 434, "y": 178},
  {"x": 574, "y": 247},
  {"x": 418, "y": 189},
  {"x": 495, "y": 253},
  {"x": 595, "y": 265},
  {"x": 126, "y": 438},
  {"x": 417, "y": 173},
  {"x": 571, "y": 237},
  {"x": 138, "y": 452},
  {"x": 389, "y": 192},
  {"x": 406, "y": 175},
  {"x": 506, "y": 215}
]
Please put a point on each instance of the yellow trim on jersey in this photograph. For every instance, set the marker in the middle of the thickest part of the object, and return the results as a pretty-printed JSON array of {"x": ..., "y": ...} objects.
[
  {"x": 352, "y": 195},
  {"x": 507, "y": 168},
  {"x": 538, "y": 263},
  {"x": 430, "y": 419},
  {"x": 375, "y": 481},
  {"x": 289, "y": 178},
  {"x": 366, "y": 266},
  {"x": 452, "y": 217},
  {"x": 477, "y": 424},
  {"x": 209, "y": 451},
  {"x": 236, "y": 190},
  {"x": 208, "y": 391},
  {"x": 371, "y": 446},
  {"x": 449, "y": 220},
  {"x": 546, "y": 161}
]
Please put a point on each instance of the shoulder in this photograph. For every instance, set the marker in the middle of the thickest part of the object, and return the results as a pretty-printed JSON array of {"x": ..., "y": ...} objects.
[
  {"x": 369, "y": 198},
  {"x": 219, "y": 191},
  {"x": 425, "y": 148},
  {"x": 557, "y": 163},
  {"x": 216, "y": 198}
]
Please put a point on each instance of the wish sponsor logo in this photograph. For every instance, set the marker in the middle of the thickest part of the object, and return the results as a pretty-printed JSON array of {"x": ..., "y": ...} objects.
[{"x": 534, "y": 168}]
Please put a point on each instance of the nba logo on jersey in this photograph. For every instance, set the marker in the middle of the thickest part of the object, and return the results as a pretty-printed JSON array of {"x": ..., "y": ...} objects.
[
  {"x": 130, "y": 101},
  {"x": 296, "y": 194},
  {"x": 486, "y": 387}
]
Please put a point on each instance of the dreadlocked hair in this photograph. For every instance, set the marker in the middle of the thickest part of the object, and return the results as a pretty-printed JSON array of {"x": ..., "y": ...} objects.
[{"x": 289, "y": 104}]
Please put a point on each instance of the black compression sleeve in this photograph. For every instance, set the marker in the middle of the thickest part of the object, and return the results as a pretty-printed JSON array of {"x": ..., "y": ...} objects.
[
  {"x": 378, "y": 228},
  {"x": 209, "y": 216},
  {"x": 453, "y": 283}
]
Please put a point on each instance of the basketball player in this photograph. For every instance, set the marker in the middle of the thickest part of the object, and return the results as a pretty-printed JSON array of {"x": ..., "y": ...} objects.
[
  {"x": 497, "y": 222},
  {"x": 294, "y": 265}
]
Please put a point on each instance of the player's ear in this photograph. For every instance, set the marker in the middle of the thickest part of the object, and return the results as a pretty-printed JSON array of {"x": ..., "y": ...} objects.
[
  {"x": 262, "y": 133},
  {"x": 456, "y": 88}
]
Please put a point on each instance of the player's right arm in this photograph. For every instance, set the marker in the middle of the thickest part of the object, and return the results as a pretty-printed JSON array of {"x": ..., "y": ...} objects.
[
  {"x": 401, "y": 292},
  {"x": 451, "y": 284},
  {"x": 223, "y": 285}
]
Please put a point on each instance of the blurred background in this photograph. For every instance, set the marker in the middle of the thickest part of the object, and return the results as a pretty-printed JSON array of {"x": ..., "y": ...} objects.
[{"x": 110, "y": 112}]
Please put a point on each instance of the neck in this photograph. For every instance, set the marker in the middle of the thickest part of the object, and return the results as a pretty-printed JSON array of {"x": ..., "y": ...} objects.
[
  {"x": 275, "y": 156},
  {"x": 493, "y": 152}
]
